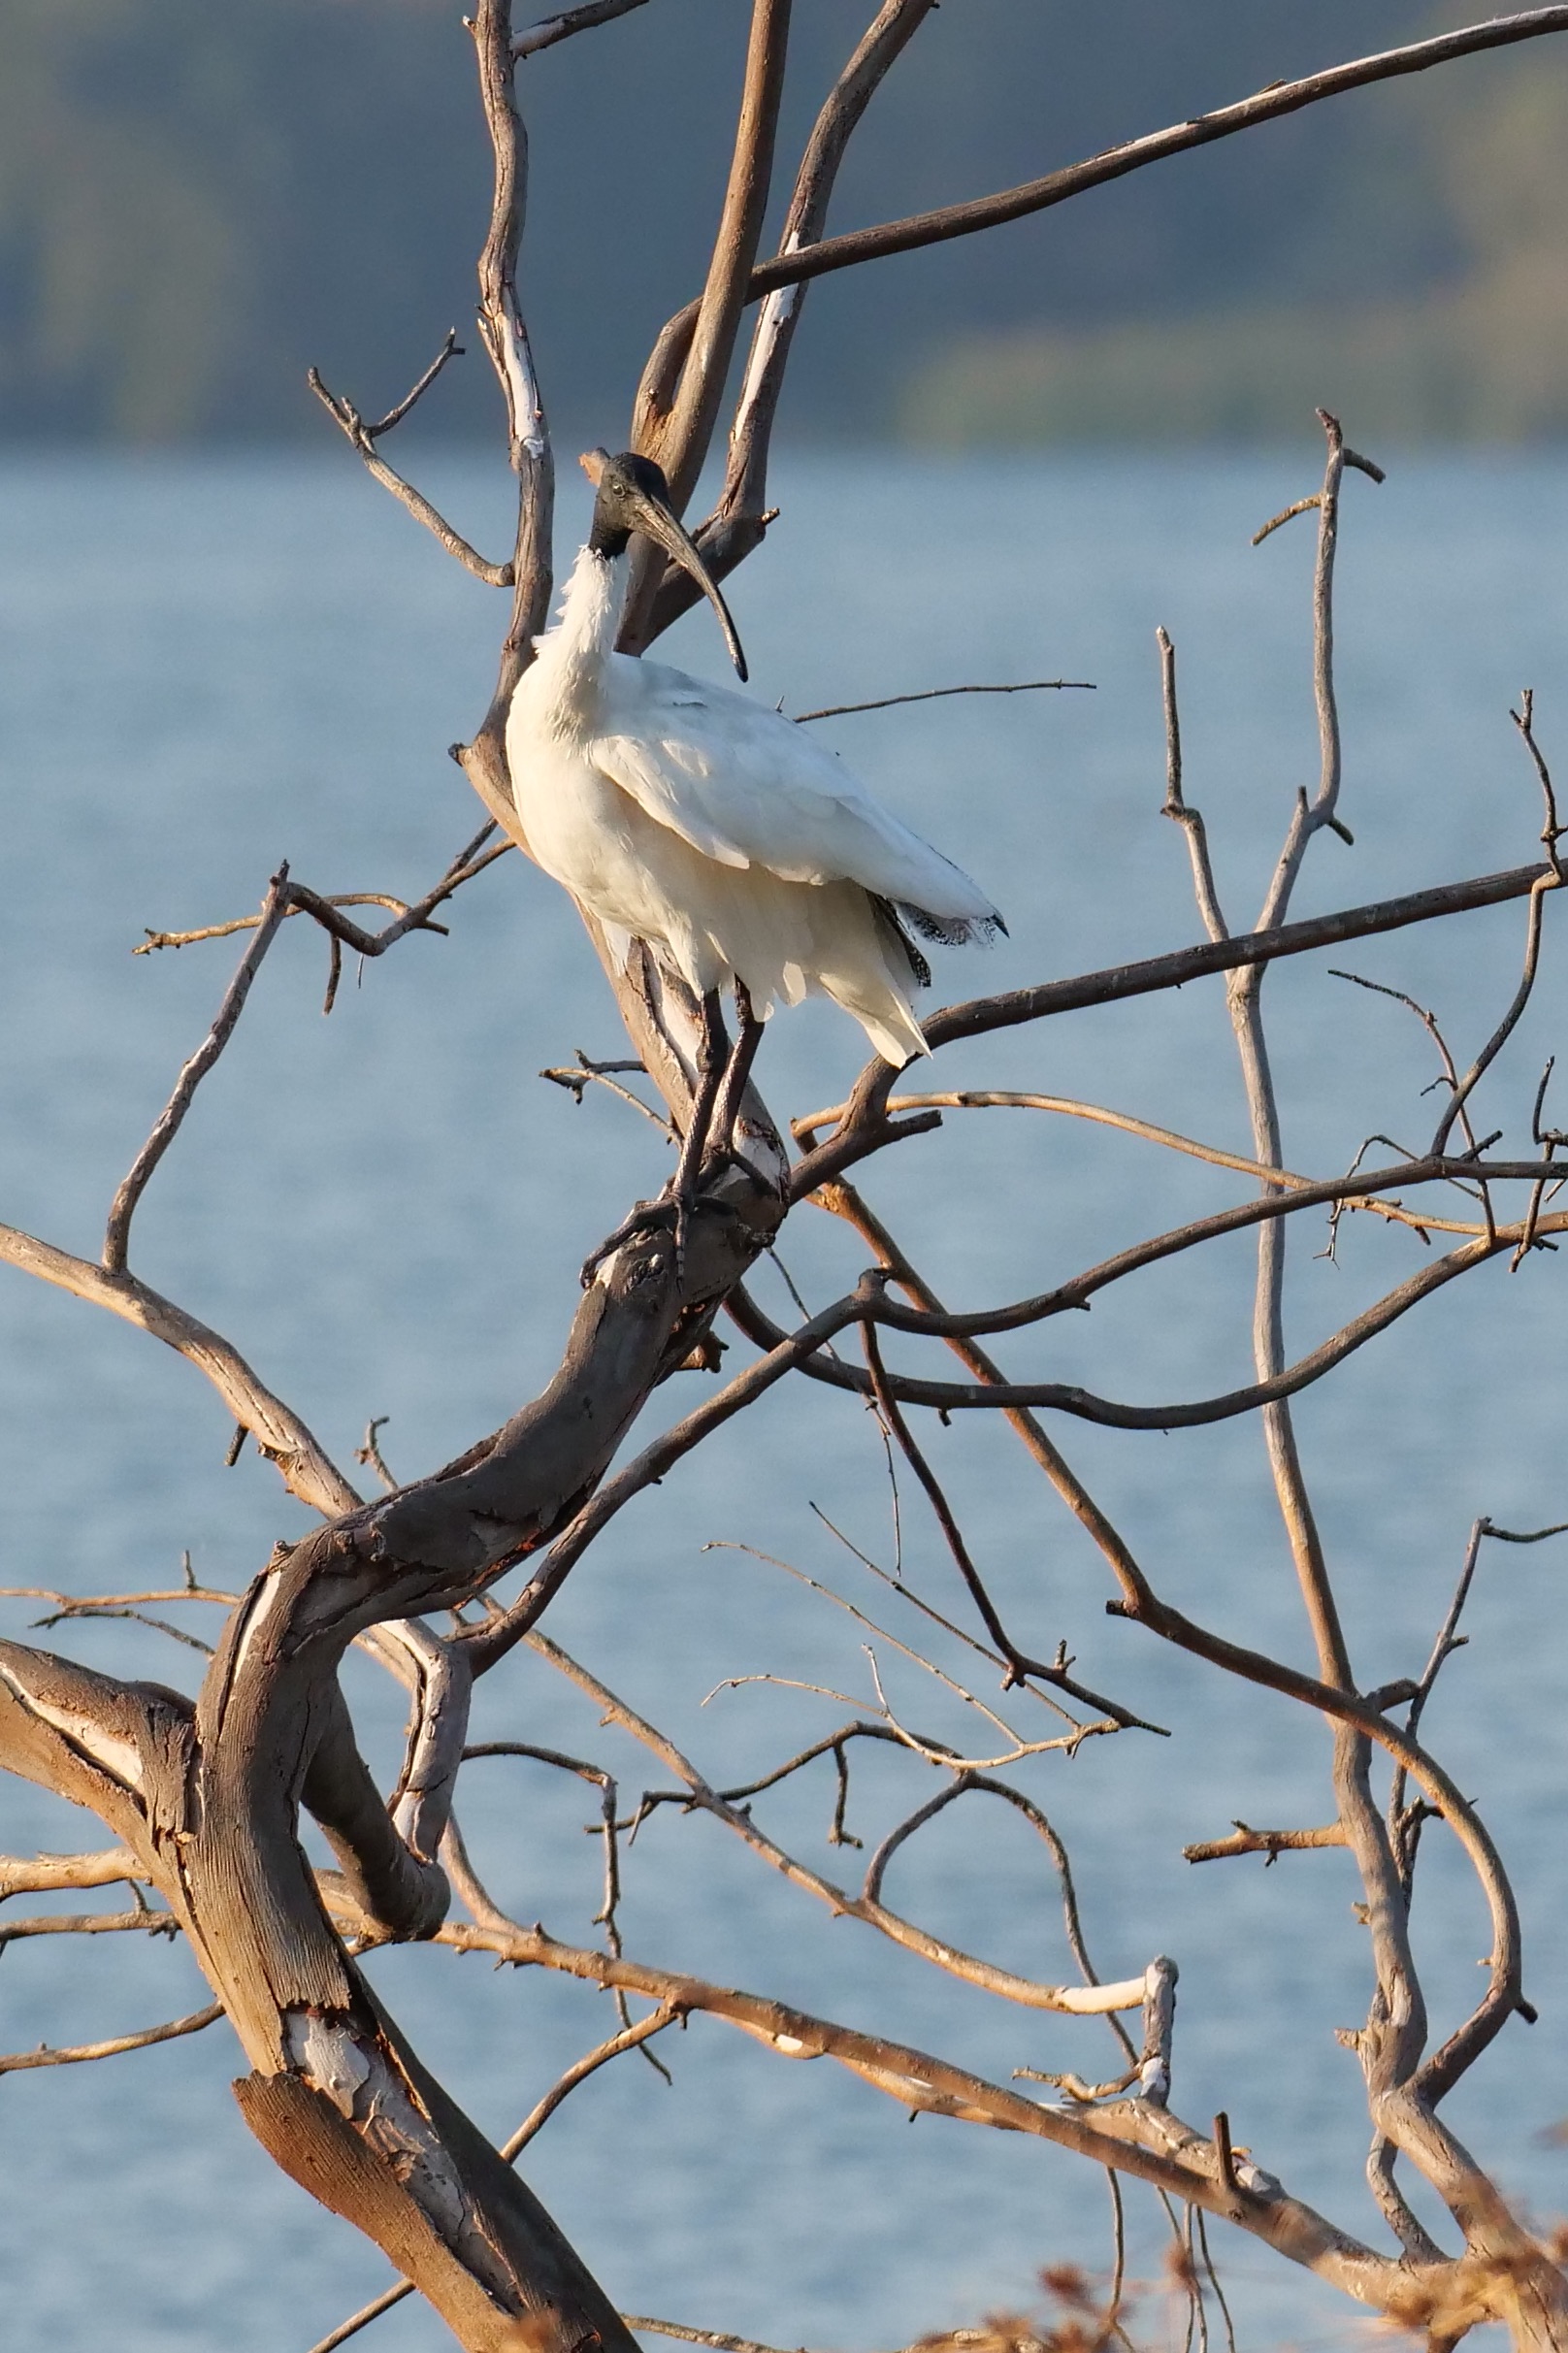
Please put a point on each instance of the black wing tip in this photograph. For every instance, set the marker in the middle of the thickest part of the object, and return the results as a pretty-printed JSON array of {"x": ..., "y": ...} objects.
[{"x": 952, "y": 930}]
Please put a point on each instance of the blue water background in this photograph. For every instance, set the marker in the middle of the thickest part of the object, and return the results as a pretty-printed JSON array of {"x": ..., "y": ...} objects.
[{"x": 209, "y": 664}]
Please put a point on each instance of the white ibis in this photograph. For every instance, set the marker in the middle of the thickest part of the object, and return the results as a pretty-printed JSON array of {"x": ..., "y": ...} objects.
[{"x": 744, "y": 855}]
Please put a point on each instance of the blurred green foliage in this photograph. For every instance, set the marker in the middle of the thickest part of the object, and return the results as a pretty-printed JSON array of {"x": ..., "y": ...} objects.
[
  {"x": 1479, "y": 352},
  {"x": 196, "y": 202}
]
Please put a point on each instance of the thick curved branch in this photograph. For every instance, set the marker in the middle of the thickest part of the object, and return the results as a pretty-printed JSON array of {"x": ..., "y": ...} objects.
[
  {"x": 739, "y": 520},
  {"x": 488, "y": 1645},
  {"x": 677, "y": 437}
]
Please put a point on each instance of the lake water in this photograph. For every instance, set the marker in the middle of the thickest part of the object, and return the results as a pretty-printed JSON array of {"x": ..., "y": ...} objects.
[{"x": 210, "y": 665}]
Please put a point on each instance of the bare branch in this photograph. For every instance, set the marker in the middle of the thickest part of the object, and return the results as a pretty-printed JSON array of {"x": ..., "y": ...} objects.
[
  {"x": 1270, "y": 1843},
  {"x": 506, "y": 337},
  {"x": 1018, "y": 1665},
  {"x": 44, "y": 1874},
  {"x": 578, "y": 1076},
  {"x": 884, "y": 42},
  {"x": 947, "y": 221},
  {"x": 679, "y": 437},
  {"x": 363, "y": 439},
  {"x": 631, "y": 2040},
  {"x": 117, "y": 1236},
  {"x": 980, "y": 1015},
  {"x": 1499, "y": 1038},
  {"x": 940, "y": 693},
  {"x": 550, "y": 30},
  {"x": 1136, "y": 2135},
  {"x": 998, "y": 1395},
  {"x": 669, "y": 2013},
  {"x": 279, "y": 1432},
  {"x": 371, "y": 1455},
  {"x": 1176, "y": 807},
  {"x": 1551, "y": 833},
  {"x": 327, "y": 910},
  {"x": 72, "y": 2055},
  {"x": 1079, "y": 2000},
  {"x": 490, "y": 1644},
  {"x": 362, "y": 2319},
  {"x": 604, "y": 1783},
  {"x": 719, "y": 2338},
  {"x": 1443, "y": 2069},
  {"x": 143, "y": 1921}
]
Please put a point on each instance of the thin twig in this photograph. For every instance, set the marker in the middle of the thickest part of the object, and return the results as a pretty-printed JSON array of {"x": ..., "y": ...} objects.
[
  {"x": 1175, "y": 805},
  {"x": 144, "y": 1921},
  {"x": 340, "y": 2334},
  {"x": 362, "y": 437},
  {"x": 75, "y": 2054},
  {"x": 371, "y": 1455},
  {"x": 939, "y": 693},
  {"x": 1081, "y": 2001},
  {"x": 1018, "y": 1665},
  {"x": 578, "y": 1076},
  {"x": 117, "y": 1234},
  {"x": 550, "y": 30},
  {"x": 1551, "y": 833},
  {"x": 1504, "y": 1030},
  {"x": 410, "y": 917},
  {"x": 719, "y": 2338},
  {"x": 669, "y": 2013}
]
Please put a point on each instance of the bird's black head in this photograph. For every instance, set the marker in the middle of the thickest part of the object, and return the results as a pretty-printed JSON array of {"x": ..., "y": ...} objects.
[
  {"x": 624, "y": 485},
  {"x": 632, "y": 495}
]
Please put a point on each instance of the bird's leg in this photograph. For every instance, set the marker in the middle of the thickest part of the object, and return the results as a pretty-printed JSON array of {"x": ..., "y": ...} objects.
[
  {"x": 737, "y": 1070},
  {"x": 712, "y": 1060},
  {"x": 722, "y": 1073},
  {"x": 678, "y": 1198}
]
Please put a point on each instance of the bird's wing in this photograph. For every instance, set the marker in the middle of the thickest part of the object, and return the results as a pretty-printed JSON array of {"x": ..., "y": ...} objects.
[{"x": 747, "y": 787}]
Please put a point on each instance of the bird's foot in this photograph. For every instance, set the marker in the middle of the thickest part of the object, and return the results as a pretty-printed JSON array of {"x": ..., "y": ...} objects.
[
  {"x": 648, "y": 1217},
  {"x": 671, "y": 1212}
]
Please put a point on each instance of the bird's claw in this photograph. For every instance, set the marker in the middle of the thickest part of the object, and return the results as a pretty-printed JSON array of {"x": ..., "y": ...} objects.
[
  {"x": 673, "y": 1210},
  {"x": 646, "y": 1218}
]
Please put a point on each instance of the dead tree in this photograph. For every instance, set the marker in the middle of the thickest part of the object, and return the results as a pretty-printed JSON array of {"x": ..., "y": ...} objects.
[{"x": 201, "y": 1797}]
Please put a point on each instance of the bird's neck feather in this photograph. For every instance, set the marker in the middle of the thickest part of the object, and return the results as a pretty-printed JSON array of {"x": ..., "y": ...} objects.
[{"x": 572, "y": 653}]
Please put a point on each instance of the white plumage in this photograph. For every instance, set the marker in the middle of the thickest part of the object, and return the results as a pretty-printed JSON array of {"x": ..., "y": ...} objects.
[{"x": 718, "y": 832}]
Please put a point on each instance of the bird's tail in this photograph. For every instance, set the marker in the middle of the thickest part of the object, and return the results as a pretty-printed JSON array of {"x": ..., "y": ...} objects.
[{"x": 876, "y": 988}]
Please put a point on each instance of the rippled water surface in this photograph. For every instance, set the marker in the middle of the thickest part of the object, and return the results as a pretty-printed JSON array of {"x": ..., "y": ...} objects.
[{"x": 209, "y": 666}]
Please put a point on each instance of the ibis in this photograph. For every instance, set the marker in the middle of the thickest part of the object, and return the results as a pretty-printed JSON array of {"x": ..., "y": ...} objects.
[{"x": 742, "y": 852}]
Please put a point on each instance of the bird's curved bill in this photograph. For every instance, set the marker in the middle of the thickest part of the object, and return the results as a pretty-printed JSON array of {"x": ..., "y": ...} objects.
[{"x": 658, "y": 522}]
